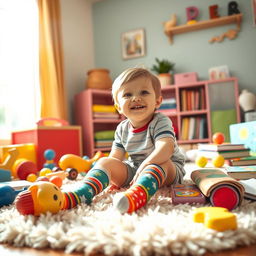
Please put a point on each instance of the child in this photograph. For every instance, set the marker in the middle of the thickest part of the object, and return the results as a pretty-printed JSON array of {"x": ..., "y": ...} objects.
[{"x": 148, "y": 137}]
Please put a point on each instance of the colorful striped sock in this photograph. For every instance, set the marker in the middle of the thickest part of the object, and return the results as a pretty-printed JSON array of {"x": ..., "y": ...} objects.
[
  {"x": 141, "y": 191},
  {"x": 94, "y": 182}
]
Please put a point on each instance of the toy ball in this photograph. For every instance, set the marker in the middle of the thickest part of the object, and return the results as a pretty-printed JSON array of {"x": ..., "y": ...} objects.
[
  {"x": 31, "y": 177},
  {"x": 44, "y": 171},
  {"x": 49, "y": 154},
  {"x": 218, "y": 138},
  {"x": 24, "y": 168},
  {"x": 56, "y": 180},
  {"x": 201, "y": 161},
  {"x": 40, "y": 198},
  {"x": 218, "y": 161}
]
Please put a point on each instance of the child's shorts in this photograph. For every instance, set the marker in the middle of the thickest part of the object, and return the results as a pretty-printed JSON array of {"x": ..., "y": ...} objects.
[{"x": 133, "y": 166}]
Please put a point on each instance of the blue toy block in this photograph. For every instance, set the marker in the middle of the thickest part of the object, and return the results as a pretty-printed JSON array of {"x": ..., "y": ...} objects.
[{"x": 5, "y": 175}]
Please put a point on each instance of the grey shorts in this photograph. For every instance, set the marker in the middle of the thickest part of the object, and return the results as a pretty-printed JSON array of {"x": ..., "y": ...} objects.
[{"x": 133, "y": 166}]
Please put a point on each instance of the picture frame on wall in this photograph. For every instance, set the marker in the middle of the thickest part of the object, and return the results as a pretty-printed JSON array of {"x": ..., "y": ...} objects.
[
  {"x": 133, "y": 44},
  {"x": 254, "y": 12},
  {"x": 220, "y": 72}
]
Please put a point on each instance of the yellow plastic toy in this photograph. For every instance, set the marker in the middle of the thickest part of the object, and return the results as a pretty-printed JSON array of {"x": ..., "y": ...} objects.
[
  {"x": 40, "y": 198},
  {"x": 201, "y": 161},
  {"x": 218, "y": 161},
  {"x": 217, "y": 218},
  {"x": 77, "y": 162}
]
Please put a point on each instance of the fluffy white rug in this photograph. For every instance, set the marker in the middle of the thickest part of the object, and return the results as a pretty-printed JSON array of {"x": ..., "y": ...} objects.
[{"x": 160, "y": 228}]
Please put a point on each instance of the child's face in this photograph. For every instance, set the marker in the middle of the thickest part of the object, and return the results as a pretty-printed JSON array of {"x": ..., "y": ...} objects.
[{"x": 137, "y": 101}]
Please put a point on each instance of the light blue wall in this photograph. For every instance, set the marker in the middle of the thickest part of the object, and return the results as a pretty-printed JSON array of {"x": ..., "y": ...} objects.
[{"x": 190, "y": 51}]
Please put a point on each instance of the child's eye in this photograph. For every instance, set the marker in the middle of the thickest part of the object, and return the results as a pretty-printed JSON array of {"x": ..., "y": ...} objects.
[
  {"x": 127, "y": 95},
  {"x": 144, "y": 92}
]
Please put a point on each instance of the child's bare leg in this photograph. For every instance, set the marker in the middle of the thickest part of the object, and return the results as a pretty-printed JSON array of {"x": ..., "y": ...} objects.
[{"x": 151, "y": 178}]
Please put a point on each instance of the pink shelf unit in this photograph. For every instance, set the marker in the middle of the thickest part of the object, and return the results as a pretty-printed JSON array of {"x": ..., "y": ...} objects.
[
  {"x": 84, "y": 116},
  {"x": 195, "y": 100}
]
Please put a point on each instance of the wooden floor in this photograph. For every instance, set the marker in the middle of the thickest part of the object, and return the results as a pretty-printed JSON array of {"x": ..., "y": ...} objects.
[{"x": 6, "y": 250}]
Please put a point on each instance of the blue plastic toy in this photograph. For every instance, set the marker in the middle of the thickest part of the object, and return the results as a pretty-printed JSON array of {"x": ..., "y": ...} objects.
[{"x": 7, "y": 195}]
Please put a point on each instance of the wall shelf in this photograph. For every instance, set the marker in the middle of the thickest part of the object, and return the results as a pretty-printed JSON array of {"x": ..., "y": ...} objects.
[{"x": 236, "y": 19}]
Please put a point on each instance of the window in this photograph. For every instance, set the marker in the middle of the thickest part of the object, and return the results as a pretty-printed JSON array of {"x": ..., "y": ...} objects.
[{"x": 19, "y": 66}]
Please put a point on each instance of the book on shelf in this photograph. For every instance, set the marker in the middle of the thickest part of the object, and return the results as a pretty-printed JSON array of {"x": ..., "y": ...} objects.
[
  {"x": 104, "y": 135},
  {"x": 103, "y": 108},
  {"x": 226, "y": 154},
  {"x": 103, "y": 143},
  {"x": 221, "y": 147},
  {"x": 193, "y": 128},
  {"x": 241, "y": 172},
  {"x": 243, "y": 161},
  {"x": 105, "y": 115},
  {"x": 250, "y": 188}
]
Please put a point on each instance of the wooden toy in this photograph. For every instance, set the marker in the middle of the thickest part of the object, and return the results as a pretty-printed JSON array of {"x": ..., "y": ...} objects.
[
  {"x": 26, "y": 151},
  {"x": 23, "y": 168},
  {"x": 45, "y": 136},
  {"x": 10, "y": 158},
  {"x": 49, "y": 155},
  {"x": 233, "y": 8},
  {"x": 5, "y": 175},
  {"x": 213, "y": 11},
  {"x": 217, "y": 218},
  {"x": 192, "y": 13}
]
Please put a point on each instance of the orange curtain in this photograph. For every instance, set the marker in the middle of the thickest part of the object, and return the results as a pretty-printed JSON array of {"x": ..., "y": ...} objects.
[{"x": 53, "y": 98}]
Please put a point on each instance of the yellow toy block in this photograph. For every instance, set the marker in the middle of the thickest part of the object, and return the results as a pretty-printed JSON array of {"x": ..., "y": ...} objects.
[
  {"x": 26, "y": 151},
  {"x": 217, "y": 218}
]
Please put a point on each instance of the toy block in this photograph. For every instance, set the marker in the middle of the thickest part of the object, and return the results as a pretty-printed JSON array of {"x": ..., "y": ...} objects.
[
  {"x": 217, "y": 218},
  {"x": 26, "y": 151},
  {"x": 5, "y": 175}
]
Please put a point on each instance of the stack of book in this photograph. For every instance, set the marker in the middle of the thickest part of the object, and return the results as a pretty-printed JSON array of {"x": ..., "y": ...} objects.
[
  {"x": 168, "y": 104},
  {"x": 243, "y": 161},
  {"x": 104, "y": 112},
  {"x": 228, "y": 150},
  {"x": 104, "y": 139},
  {"x": 241, "y": 172}
]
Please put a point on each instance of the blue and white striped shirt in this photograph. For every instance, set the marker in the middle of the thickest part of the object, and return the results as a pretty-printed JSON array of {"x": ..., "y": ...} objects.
[{"x": 140, "y": 143}]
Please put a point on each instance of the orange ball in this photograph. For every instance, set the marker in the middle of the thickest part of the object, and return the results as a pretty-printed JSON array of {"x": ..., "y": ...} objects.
[
  {"x": 56, "y": 180},
  {"x": 218, "y": 138}
]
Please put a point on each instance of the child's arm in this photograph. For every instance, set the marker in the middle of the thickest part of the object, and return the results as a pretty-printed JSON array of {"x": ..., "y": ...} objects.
[
  {"x": 163, "y": 151},
  {"x": 118, "y": 154}
]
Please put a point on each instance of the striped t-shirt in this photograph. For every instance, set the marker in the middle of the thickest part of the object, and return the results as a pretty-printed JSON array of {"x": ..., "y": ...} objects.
[{"x": 140, "y": 143}]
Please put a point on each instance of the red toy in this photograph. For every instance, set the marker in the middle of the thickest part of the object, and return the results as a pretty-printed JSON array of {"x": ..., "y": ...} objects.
[{"x": 218, "y": 138}]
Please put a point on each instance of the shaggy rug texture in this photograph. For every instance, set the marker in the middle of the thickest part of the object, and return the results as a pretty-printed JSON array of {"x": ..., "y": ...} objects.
[{"x": 160, "y": 228}]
